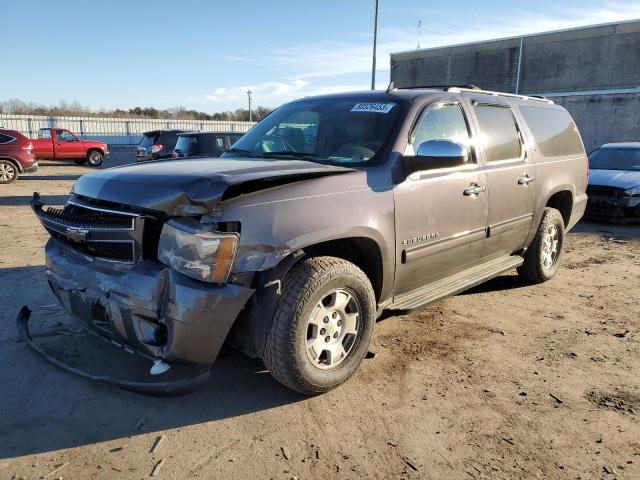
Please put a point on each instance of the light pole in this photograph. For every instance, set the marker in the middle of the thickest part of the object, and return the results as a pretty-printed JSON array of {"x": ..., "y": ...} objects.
[
  {"x": 249, "y": 96},
  {"x": 375, "y": 40}
]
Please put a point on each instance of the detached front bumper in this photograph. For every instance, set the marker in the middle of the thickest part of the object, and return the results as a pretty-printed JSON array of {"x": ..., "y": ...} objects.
[{"x": 148, "y": 306}]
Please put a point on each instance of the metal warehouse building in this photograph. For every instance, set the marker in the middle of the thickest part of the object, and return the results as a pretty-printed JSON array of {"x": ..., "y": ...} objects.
[{"x": 593, "y": 71}]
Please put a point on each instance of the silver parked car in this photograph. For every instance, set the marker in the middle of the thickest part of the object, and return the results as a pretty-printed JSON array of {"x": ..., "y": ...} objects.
[{"x": 614, "y": 182}]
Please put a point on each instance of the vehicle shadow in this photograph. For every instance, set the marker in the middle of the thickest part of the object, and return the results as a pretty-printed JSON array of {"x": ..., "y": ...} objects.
[
  {"x": 622, "y": 231},
  {"x": 46, "y": 409},
  {"x": 19, "y": 200}
]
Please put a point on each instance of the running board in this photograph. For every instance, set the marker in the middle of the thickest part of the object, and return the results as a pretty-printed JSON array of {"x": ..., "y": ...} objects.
[{"x": 455, "y": 284}]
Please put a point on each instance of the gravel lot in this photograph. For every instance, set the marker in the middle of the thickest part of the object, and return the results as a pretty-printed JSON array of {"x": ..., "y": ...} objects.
[{"x": 505, "y": 381}]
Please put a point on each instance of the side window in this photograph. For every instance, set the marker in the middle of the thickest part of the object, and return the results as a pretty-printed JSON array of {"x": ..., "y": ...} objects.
[
  {"x": 64, "y": 136},
  {"x": 44, "y": 134},
  {"x": 443, "y": 122},
  {"x": 554, "y": 131},
  {"x": 5, "y": 139},
  {"x": 220, "y": 143},
  {"x": 498, "y": 133}
]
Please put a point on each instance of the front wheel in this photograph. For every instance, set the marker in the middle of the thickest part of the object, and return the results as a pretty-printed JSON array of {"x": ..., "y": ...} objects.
[
  {"x": 8, "y": 172},
  {"x": 322, "y": 325},
  {"x": 94, "y": 158},
  {"x": 542, "y": 258}
]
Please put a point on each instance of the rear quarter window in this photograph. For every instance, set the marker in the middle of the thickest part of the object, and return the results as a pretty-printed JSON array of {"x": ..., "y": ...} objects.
[
  {"x": 4, "y": 139},
  {"x": 554, "y": 131},
  {"x": 148, "y": 140}
]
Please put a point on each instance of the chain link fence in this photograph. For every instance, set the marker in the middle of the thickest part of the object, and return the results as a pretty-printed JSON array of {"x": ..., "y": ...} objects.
[{"x": 117, "y": 132}]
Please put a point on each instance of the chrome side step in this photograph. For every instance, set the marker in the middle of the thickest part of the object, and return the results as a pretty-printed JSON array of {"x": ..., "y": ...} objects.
[{"x": 455, "y": 284}]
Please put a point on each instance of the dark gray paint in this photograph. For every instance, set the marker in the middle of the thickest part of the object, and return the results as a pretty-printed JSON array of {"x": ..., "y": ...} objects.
[{"x": 313, "y": 204}]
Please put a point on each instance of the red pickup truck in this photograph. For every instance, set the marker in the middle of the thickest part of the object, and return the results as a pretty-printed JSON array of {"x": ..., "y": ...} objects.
[{"x": 59, "y": 143}]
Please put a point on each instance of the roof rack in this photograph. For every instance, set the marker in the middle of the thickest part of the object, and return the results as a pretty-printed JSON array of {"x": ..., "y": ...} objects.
[
  {"x": 499, "y": 94},
  {"x": 443, "y": 87}
]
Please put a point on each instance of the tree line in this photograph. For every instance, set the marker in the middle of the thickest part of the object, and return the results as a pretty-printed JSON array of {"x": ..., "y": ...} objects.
[{"x": 18, "y": 107}]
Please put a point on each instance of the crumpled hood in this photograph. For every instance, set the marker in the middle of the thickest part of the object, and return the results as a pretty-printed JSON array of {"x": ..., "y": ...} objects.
[
  {"x": 614, "y": 178},
  {"x": 173, "y": 186}
]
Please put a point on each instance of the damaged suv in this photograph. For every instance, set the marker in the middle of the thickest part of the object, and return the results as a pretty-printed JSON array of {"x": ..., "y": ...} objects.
[{"x": 290, "y": 246}]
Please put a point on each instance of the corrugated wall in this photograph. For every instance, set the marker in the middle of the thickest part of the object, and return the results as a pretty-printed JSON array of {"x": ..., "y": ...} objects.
[{"x": 114, "y": 131}]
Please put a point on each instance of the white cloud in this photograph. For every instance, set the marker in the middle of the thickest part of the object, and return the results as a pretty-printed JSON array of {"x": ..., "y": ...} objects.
[{"x": 266, "y": 89}]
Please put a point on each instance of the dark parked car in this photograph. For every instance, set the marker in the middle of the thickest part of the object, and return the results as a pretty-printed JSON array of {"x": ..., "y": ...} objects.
[
  {"x": 16, "y": 156},
  {"x": 204, "y": 144},
  {"x": 291, "y": 246},
  {"x": 157, "y": 144},
  {"x": 614, "y": 182}
]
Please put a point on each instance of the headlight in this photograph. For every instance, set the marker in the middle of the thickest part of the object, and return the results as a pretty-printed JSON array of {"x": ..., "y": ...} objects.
[
  {"x": 632, "y": 192},
  {"x": 196, "y": 250}
]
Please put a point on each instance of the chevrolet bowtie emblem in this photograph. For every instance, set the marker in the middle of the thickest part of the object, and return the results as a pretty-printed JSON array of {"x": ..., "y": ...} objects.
[{"x": 77, "y": 234}]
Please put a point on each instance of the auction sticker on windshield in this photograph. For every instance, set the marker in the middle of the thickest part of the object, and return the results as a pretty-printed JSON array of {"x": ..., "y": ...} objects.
[{"x": 373, "y": 107}]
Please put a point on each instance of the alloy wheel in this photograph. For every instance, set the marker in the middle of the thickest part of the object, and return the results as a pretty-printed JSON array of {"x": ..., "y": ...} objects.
[
  {"x": 7, "y": 172},
  {"x": 550, "y": 244},
  {"x": 332, "y": 329}
]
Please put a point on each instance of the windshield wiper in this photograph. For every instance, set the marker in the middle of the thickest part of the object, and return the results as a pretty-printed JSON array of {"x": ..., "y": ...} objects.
[
  {"x": 242, "y": 151},
  {"x": 288, "y": 153}
]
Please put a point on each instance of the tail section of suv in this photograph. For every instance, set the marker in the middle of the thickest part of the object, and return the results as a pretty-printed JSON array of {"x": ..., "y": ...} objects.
[
  {"x": 157, "y": 144},
  {"x": 292, "y": 244},
  {"x": 16, "y": 156}
]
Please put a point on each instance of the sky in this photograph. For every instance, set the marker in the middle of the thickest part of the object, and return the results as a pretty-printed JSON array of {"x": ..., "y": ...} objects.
[{"x": 205, "y": 55}]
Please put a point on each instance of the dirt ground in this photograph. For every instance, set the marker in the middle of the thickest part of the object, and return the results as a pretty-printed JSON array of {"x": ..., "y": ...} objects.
[{"x": 505, "y": 381}]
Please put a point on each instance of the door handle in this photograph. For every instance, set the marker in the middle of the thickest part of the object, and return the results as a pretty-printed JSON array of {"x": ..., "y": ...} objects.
[
  {"x": 526, "y": 180},
  {"x": 474, "y": 189}
]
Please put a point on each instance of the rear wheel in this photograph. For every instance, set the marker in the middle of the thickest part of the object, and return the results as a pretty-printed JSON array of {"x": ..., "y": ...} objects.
[
  {"x": 542, "y": 258},
  {"x": 94, "y": 158},
  {"x": 322, "y": 325},
  {"x": 8, "y": 172}
]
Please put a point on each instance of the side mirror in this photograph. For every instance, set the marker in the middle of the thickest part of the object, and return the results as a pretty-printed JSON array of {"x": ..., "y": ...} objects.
[{"x": 437, "y": 154}]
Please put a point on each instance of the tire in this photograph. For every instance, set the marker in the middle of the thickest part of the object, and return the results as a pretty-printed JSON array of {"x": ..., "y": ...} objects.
[
  {"x": 94, "y": 158},
  {"x": 542, "y": 258},
  {"x": 80, "y": 161},
  {"x": 8, "y": 172},
  {"x": 309, "y": 347}
]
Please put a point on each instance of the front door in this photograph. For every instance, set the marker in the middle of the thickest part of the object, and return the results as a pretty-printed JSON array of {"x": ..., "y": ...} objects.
[
  {"x": 440, "y": 221},
  {"x": 510, "y": 175},
  {"x": 68, "y": 145}
]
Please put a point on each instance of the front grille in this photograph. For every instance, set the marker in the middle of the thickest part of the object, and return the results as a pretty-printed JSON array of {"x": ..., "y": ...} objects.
[
  {"x": 98, "y": 232},
  {"x": 77, "y": 216},
  {"x": 604, "y": 191}
]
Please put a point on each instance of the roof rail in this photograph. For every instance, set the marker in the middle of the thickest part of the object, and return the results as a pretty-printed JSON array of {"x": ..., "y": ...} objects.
[
  {"x": 499, "y": 94},
  {"x": 443, "y": 87}
]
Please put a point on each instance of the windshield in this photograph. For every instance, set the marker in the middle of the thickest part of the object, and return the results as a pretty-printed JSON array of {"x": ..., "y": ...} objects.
[
  {"x": 148, "y": 140},
  {"x": 325, "y": 130},
  {"x": 615, "y": 159}
]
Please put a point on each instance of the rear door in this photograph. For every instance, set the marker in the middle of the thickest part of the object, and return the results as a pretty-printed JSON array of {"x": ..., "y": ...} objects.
[
  {"x": 440, "y": 225},
  {"x": 67, "y": 145},
  {"x": 510, "y": 175}
]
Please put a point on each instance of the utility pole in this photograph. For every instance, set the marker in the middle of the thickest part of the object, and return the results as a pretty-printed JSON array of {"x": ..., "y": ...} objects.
[
  {"x": 249, "y": 92},
  {"x": 419, "y": 28},
  {"x": 375, "y": 41}
]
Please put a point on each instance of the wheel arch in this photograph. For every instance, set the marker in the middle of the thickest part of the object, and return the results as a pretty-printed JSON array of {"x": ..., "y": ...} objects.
[
  {"x": 13, "y": 161},
  {"x": 249, "y": 331},
  {"x": 562, "y": 200},
  {"x": 95, "y": 149}
]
